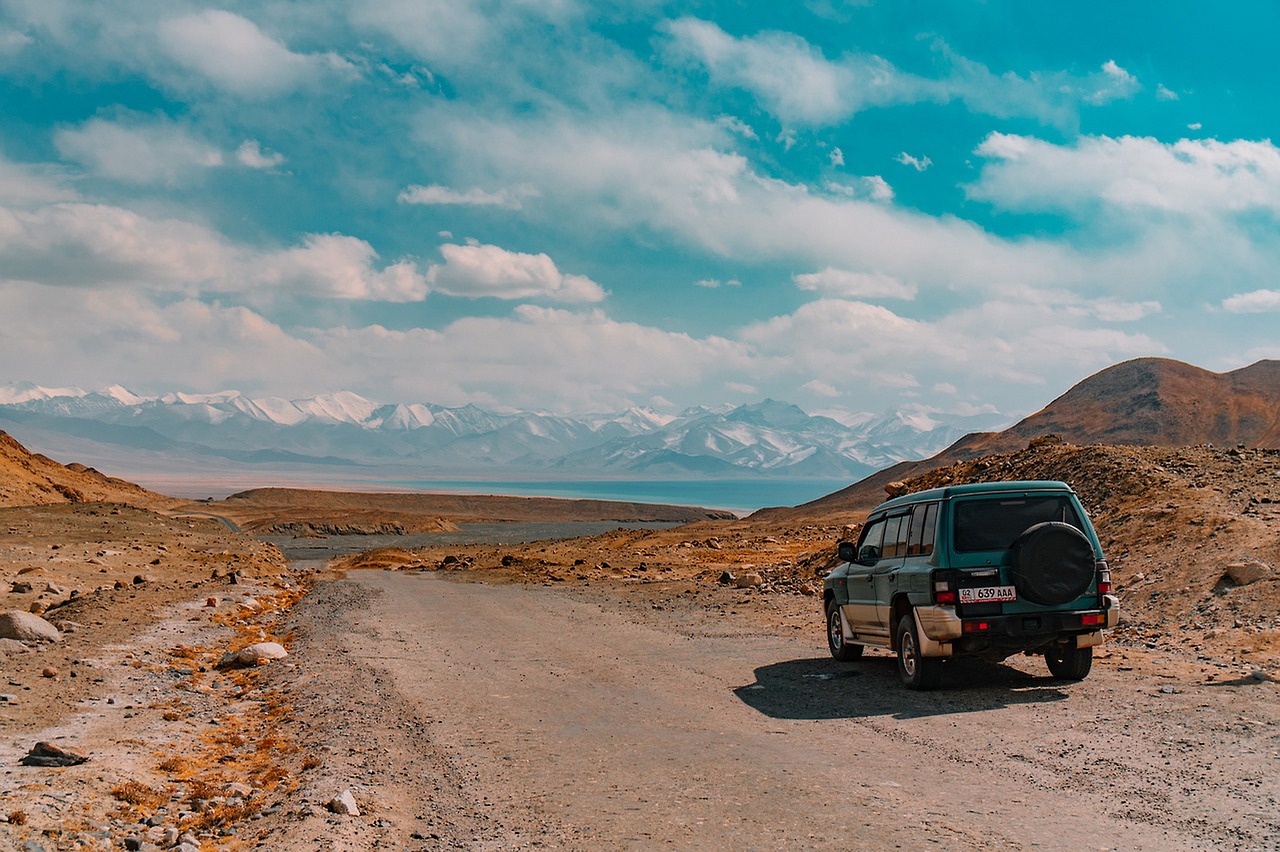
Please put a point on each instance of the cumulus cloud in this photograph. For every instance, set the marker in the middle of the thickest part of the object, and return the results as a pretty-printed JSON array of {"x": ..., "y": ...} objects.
[
  {"x": 1110, "y": 84},
  {"x": 341, "y": 267},
  {"x": 138, "y": 150},
  {"x": 1165, "y": 94},
  {"x": 251, "y": 155},
  {"x": 476, "y": 271},
  {"x": 1256, "y": 302},
  {"x": 233, "y": 54},
  {"x": 836, "y": 157},
  {"x": 443, "y": 195},
  {"x": 1189, "y": 177},
  {"x": 843, "y": 283}
]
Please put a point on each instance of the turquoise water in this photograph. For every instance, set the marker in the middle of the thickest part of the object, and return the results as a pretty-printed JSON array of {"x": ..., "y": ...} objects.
[{"x": 741, "y": 496}]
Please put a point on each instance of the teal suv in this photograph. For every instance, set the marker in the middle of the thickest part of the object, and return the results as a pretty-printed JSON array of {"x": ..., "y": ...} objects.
[{"x": 989, "y": 570}]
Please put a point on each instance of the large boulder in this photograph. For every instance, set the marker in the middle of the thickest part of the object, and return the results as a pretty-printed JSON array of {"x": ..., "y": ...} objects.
[{"x": 27, "y": 627}]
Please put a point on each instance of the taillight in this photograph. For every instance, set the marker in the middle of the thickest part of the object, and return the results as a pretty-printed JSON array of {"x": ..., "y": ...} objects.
[
  {"x": 1104, "y": 578},
  {"x": 976, "y": 626},
  {"x": 1096, "y": 619},
  {"x": 943, "y": 593}
]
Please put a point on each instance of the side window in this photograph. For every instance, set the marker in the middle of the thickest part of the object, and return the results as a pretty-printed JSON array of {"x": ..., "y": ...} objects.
[
  {"x": 924, "y": 522},
  {"x": 895, "y": 537},
  {"x": 871, "y": 538}
]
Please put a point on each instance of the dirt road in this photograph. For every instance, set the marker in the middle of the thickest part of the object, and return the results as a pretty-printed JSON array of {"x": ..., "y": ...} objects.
[{"x": 473, "y": 715}]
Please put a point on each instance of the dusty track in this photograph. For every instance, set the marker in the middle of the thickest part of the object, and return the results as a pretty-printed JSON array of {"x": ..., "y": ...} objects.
[{"x": 496, "y": 716}]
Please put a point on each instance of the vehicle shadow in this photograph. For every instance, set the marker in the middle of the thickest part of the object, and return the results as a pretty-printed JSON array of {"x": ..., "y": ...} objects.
[{"x": 822, "y": 688}]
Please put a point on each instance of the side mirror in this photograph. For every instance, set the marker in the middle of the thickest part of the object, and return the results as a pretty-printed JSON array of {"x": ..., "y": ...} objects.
[{"x": 845, "y": 551}]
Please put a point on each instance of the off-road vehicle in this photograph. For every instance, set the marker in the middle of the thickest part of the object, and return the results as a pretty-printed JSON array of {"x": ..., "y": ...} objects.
[{"x": 989, "y": 569}]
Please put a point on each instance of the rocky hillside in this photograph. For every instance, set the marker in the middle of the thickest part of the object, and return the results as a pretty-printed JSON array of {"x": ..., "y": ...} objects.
[
  {"x": 1152, "y": 402},
  {"x": 28, "y": 479}
]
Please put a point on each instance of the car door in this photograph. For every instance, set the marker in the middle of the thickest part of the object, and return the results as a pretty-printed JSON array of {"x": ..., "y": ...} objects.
[
  {"x": 860, "y": 611},
  {"x": 884, "y": 577}
]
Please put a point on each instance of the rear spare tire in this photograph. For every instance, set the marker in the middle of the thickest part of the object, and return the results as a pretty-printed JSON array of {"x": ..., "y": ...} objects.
[{"x": 1053, "y": 563}]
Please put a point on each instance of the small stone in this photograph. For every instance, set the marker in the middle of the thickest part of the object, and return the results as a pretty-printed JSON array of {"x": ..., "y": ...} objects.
[
  {"x": 48, "y": 671},
  {"x": 254, "y": 655},
  {"x": 750, "y": 580},
  {"x": 21, "y": 588},
  {"x": 344, "y": 804},
  {"x": 210, "y": 601},
  {"x": 726, "y": 578},
  {"x": 27, "y": 627},
  {"x": 138, "y": 580},
  {"x": 1168, "y": 690}
]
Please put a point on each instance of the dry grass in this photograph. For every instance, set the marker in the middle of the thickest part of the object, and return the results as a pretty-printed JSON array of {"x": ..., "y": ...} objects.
[
  {"x": 139, "y": 795},
  {"x": 17, "y": 818}
]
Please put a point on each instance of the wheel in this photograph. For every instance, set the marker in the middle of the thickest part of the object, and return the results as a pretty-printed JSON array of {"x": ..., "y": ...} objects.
[
  {"x": 916, "y": 672},
  {"x": 840, "y": 649},
  {"x": 1069, "y": 663},
  {"x": 1053, "y": 563}
]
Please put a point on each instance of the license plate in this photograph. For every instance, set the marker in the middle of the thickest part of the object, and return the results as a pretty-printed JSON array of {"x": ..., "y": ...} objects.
[{"x": 988, "y": 594}]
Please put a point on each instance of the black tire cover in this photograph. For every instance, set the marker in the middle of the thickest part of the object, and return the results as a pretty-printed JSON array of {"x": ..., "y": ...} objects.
[{"x": 1053, "y": 563}]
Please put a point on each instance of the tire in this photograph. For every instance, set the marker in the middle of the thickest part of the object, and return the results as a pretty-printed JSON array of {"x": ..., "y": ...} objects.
[
  {"x": 915, "y": 671},
  {"x": 1069, "y": 663},
  {"x": 1053, "y": 563},
  {"x": 840, "y": 649}
]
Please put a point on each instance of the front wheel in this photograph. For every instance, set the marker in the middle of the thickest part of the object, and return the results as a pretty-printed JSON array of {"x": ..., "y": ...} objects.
[
  {"x": 1069, "y": 663},
  {"x": 840, "y": 649},
  {"x": 915, "y": 671}
]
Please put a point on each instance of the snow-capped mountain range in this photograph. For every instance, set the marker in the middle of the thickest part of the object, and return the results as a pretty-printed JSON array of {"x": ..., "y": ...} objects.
[{"x": 769, "y": 438}]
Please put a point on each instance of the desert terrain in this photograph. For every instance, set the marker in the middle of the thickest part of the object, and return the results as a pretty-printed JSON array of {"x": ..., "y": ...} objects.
[{"x": 640, "y": 688}]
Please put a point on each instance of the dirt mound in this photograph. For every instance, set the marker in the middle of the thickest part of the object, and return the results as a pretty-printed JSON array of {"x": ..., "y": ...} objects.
[{"x": 30, "y": 479}]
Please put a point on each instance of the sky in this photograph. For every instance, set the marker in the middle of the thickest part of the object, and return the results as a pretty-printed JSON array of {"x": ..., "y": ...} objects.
[{"x": 578, "y": 206}]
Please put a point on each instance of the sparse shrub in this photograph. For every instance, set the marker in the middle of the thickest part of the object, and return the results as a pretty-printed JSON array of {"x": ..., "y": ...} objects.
[
  {"x": 17, "y": 818},
  {"x": 139, "y": 795}
]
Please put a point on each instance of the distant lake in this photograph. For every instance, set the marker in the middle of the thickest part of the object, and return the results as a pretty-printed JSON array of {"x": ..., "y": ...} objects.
[{"x": 740, "y": 496}]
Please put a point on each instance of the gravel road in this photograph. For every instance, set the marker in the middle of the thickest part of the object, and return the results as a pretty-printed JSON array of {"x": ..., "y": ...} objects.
[{"x": 477, "y": 715}]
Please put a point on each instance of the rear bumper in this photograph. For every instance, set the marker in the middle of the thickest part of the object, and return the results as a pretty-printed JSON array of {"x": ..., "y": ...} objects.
[{"x": 944, "y": 631}]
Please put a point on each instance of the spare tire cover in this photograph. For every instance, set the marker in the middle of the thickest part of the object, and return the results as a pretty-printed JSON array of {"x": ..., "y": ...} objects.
[{"x": 1053, "y": 563}]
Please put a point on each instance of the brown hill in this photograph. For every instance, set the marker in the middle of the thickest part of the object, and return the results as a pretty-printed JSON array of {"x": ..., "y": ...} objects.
[
  {"x": 30, "y": 479},
  {"x": 1153, "y": 402}
]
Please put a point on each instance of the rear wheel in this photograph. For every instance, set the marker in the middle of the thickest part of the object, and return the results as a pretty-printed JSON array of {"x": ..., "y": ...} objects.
[
  {"x": 915, "y": 671},
  {"x": 1069, "y": 663},
  {"x": 840, "y": 648}
]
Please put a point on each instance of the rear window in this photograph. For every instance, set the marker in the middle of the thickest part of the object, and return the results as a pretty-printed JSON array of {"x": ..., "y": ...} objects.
[{"x": 994, "y": 524}]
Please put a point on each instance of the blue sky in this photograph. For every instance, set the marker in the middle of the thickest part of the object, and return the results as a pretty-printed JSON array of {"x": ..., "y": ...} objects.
[{"x": 572, "y": 206}]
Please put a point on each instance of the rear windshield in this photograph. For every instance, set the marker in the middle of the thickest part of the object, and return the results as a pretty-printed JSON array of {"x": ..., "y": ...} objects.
[{"x": 994, "y": 524}]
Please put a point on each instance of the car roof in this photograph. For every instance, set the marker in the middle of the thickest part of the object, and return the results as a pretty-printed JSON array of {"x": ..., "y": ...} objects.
[{"x": 949, "y": 491}]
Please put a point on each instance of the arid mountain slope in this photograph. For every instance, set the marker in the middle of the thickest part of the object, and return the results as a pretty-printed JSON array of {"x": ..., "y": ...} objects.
[
  {"x": 28, "y": 479},
  {"x": 1153, "y": 402}
]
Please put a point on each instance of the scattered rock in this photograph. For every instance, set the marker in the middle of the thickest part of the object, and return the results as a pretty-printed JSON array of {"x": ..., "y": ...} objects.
[
  {"x": 254, "y": 655},
  {"x": 48, "y": 754},
  {"x": 12, "y": 646},
  {"x": 896, "y": 488},
  {"x": 727, "y": 578},
  {"x": 138, "y": 580},
  {"x": 344, "y": 804},
  {"x": 48, "y": 671},
  {"x": 1247, "y": 571},
  {"x": 27, "y": 627},
  {"x": 22, "y": 588},
  {"x": 750, "y": 580}
]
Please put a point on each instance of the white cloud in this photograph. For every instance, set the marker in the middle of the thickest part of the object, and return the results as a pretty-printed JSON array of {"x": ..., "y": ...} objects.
[
  {"x": 742, "y": 388},
  {"x": 919, "y": 164},
  {"x": 476, "y": 271},
  {"x": 714, "y": 283},
  {"x": 738, "y": 126},
  {"x": 1165, "y": 94},
  {"x": 251, "y": 155},
  {"x": 1256, "y": 302},
  {"x": 1195, "y": 125},
  {"x": 843, "y": 283},
  {"x": 12, "y": 42},
  {"x": 341, "y": 267},
  {"x": 837, "y": 157},
  {"x": 443, "y": 195},
  {"x": 1114, "y": 310},
  {"x": 799, "y": 85},
  {"x": 820, "y": 388},
  {"x": 1113, "y": 83},
  {"x": 142, "y": 151},
  {"x": 1190, "y": 177},
  {"x": 233, "y": 54}
]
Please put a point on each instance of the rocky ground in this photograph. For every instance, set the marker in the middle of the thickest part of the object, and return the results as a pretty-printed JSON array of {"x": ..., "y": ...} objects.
[{"x": 178, "y": 749}]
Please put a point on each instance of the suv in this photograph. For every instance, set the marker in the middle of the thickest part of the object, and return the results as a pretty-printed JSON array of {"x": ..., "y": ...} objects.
[{"x": 988, "y": 570}]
